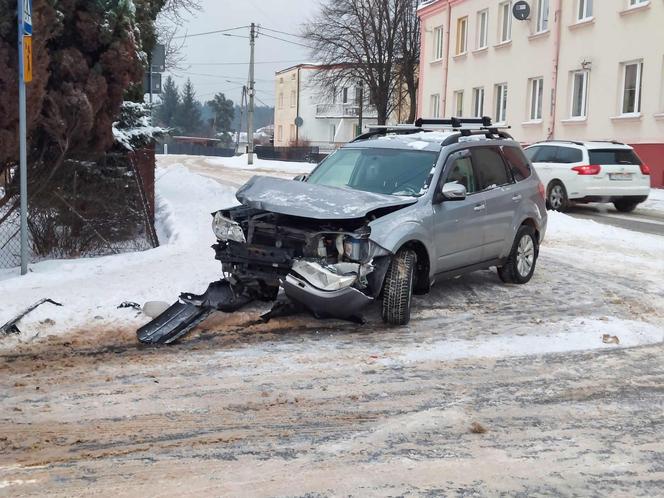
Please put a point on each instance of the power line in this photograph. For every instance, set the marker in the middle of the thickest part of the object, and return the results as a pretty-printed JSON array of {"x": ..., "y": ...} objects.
[
  {"x": 239, "y": 63},
  {"x": 284, "y": 40},
  {"x": 282, "y": 32},
  {"x": 211, "y": 33}
]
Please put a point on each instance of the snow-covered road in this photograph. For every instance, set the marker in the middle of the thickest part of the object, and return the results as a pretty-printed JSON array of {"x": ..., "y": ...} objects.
[{"x": 564, "y": 374}]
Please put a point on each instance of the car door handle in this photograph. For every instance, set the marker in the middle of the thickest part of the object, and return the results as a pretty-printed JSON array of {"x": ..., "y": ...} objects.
[
  {"x": 517, "y": 197},
  {"x": 480, "y": 207}
]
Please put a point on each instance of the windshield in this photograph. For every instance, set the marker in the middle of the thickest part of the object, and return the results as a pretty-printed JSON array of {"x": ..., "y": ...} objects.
[{"x": 382, "y": 171}]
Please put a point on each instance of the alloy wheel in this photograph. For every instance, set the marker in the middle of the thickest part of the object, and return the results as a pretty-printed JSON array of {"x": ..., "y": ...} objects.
[
  {"x": 525, "y": 256},
  {"x": 556, "y": 197}
]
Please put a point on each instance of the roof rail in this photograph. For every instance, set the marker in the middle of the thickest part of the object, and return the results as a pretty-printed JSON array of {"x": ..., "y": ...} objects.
[
  {"x": 559, "y": 141},
  {"x": 455, "y": 123}
]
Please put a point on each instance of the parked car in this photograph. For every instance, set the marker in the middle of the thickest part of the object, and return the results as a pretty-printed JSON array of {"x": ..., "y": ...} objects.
[
  {"x": 381, "y": 218},
  {"x": 590, "y": 172}
]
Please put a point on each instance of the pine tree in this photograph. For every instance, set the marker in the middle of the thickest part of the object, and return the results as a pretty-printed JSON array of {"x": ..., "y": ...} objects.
[
  {"x": 170, "y": 102},
  {"x": 224, "y": 112},
  {"x": 188, "y": 119}
]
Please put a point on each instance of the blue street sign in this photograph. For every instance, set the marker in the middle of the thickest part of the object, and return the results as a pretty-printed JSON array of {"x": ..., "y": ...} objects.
[{"x": 27, "y": 17}]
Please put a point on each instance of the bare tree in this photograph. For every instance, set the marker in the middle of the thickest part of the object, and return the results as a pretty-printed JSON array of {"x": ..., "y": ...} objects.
[
  {"x": 410, "y": 56},
  {"x": 170, "y": 19},
  {"x": 368, "y": 42}
]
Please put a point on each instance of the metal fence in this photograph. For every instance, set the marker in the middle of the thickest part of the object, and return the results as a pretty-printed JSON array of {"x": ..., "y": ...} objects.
[
  {"x": 195, "y": 150},
  {"x": 296, "y": 154},
  {"x": 90, "y": 208}
]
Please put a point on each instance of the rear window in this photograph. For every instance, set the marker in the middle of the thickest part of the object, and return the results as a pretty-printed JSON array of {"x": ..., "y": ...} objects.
[
  {"x": 557, "y": 154},
  {"x": 614, "y": 156},
  {"x": 490, "y": 167},
  {"x": 517, "y": 163}
]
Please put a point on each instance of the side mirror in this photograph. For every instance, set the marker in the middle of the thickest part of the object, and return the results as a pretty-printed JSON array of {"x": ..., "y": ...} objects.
[
  {"x": 301, "y": 178},
  {"x": 454, "y": 191}
]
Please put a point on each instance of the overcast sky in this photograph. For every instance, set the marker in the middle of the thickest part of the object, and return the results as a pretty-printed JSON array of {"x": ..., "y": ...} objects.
[{"x": 211, "y": 60}]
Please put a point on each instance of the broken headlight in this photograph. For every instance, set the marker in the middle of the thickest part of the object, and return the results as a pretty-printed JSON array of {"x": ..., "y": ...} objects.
[
  {"x": 225, "y": 229},
  {"x": 362, "y": 250}
]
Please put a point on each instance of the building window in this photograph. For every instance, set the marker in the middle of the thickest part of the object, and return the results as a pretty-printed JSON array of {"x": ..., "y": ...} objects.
[
  {"x": 634, "y": 3},
  {"x": 505, "y": 20},
  {"x": 281, "y": 101},
  {"x": 501, "y": 103},
  {"x": 478, "y": 102},
  {"x": 579, "y": 94},
  {"x": 344, "y": 95},
  {"x": 435, "y": 105},
  {"x": 293, "y": 98},
  {"x": 462, "y": 36},
  {"x": 482, "y": 29},
  {"x": 631, "y": 100},
  {"x": 585, "y": 10},
  {"x": 292, "y": 133},
  {"x": 542, "y": 15},
  {"x": 536, "y": 94},
  {"x": 458, "y": 103},
  {"x": 280, "y": 133},
  {"x": 438, "y": 43}
]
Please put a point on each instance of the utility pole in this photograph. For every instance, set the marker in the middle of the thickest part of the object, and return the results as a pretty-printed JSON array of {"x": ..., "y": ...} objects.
[
  {"x": 252, "y": 91},
  {"x": 361, "y": 104},
  {"x": 24, "y": 8}
]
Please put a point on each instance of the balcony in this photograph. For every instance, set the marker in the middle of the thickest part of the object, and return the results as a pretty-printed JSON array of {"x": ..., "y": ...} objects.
[{"x": 340, "y": 111}]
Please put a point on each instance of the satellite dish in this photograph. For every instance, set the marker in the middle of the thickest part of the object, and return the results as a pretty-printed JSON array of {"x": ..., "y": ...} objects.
[
  {"x": 299, "y": 122},
  {"x": 521, "y": 10}
]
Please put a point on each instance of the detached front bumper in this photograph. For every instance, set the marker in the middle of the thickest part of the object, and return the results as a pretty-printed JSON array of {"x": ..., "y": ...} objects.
[{"x": 343, "y": 303}]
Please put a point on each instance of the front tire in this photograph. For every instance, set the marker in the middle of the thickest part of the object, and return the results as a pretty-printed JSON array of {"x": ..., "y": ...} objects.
[
  {"x": 556, "y": 199},
  {"x": 398, "y": 288},
  {"x": 520, "y": 265},
  {"x": 625, "y": 206}
]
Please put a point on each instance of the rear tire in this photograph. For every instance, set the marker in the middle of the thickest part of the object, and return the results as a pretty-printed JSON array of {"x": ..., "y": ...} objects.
[
  {"x": 520, "y": 265},
  {"x": 625, "y": 206},
  {"x": 556, "y": 198},
  {"x": 398, "y": 288}
]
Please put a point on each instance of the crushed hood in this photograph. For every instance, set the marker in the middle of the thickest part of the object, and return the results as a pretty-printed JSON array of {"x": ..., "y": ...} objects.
[{"x": 307, "y": 200}]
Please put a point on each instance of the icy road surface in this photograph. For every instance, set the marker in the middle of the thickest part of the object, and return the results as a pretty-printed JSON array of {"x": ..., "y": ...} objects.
[{"x": 553, "y": 388}]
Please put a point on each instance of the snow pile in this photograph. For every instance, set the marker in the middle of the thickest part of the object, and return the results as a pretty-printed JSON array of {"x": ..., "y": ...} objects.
[
  {"x": 655, "y": 201},
  {"x": 240, "y": 162},
  {"x": 91, "y": 289},
  {"x": 579, "y": 334},
  {"x": 616, "y": 251}
]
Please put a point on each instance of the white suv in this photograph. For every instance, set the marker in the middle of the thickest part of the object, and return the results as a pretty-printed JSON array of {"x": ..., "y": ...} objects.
[{"x": 590, "y": 172}]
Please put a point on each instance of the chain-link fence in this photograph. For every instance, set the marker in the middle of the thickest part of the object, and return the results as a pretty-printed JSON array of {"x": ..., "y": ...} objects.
[{"x": 89, "y": 208}]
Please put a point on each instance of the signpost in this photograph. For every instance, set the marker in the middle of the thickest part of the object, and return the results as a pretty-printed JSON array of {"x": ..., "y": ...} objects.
[{"x": 24, "y": 8}]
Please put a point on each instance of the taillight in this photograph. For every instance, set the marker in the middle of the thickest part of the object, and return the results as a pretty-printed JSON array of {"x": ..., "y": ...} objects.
[
  {"x": 645, "y": 169},
  {"x": 542, "y": 190},
  {"x": 592, "y": 169}
]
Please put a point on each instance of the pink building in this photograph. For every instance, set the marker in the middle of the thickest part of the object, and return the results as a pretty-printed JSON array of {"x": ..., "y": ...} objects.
[{"x": 574, "y": 70}]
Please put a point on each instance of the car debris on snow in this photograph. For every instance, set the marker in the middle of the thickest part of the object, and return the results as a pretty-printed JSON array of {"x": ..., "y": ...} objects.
[{"x": 11, "y": 326}]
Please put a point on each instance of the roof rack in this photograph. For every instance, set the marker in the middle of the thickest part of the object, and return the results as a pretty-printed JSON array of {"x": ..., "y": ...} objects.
[
  {"x": 464, "y": 126},
  {"x": 559, "y": 141}
]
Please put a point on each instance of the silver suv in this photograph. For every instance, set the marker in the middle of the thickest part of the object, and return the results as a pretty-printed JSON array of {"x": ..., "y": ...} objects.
[{"x": 381, "y": 218}]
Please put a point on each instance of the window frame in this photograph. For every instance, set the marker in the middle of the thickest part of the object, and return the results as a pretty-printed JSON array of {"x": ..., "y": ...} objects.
[
  {"x": 435, "y": 109},
  {"x": 585, "y": 10},
  {"x": 637, "y": 91},
  {"x": 438, "y": 43},
  {"x": 458, "y": 103},
  {"x": 505, "y": 22},
  {"x": 584, "y": 100},
  {"x": 281, "y": 100},
  {"x": 478, "y": 110},
  {"x": 542, "y": 20},
  {"x": 636, "y": 3},
  {"x": 500, "y": 90},
  {"x": 293, "y": 99},
  {"x": 462, "y": 36},
  {"x": 482, "y": 41},
  {"x": 536, "y": 91}
]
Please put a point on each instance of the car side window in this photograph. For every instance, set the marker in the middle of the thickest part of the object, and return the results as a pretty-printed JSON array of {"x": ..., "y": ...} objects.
[
  {"x": 568, "y": 155},
  {"x": 547, "y": 154},
  {"x": 531, "y": 152},
  {"x": 517, "y": 162},
  {"x": 461, "y": 171},
  {"x": 491, "y": 169}
]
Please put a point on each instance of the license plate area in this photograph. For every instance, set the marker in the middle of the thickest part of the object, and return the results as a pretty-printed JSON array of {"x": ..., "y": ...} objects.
[{"x": 620, "y": 177}]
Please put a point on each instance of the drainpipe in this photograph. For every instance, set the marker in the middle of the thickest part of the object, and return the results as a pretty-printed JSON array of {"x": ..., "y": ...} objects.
[
  {"x": 558, "y": 21},
  {"x": 446, "y": 62},
  {"x": 423, "y": 52},
  {"x": 297, "y": 109}
]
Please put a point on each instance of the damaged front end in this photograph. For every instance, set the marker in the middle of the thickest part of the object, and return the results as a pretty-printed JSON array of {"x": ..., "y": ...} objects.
[{"x": 331, "y": 268}]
